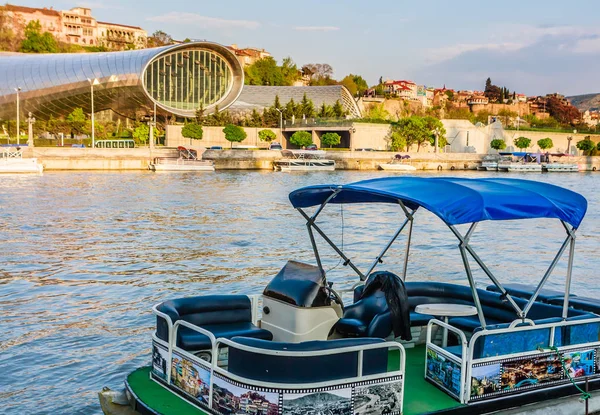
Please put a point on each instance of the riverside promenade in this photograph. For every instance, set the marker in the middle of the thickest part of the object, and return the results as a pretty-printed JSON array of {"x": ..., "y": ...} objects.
[{"x": 66, "y": 158}]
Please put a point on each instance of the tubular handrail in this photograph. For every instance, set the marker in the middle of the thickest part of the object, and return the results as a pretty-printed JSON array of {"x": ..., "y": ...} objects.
[
  {"x": 289, "y": 353},
  {"x": 200, "y": 330}
]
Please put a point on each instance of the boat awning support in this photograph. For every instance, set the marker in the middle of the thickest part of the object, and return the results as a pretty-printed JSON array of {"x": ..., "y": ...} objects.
[{"x": 310, "y": 224}]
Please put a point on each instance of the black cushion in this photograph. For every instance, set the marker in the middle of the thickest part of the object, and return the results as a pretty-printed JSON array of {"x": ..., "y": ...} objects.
[
  {"x": 285, "y": 369},
  {"x": 526, "y": 291},
  {"x": 189, "y": 339},
  {"x": 591, "y": 305},
  {"x": 223, "y": 315},
  {"x": 417, "y": 319},
  {"x": 368, "y": 317}
]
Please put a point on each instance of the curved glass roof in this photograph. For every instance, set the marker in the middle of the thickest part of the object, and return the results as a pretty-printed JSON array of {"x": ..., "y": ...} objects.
[
  {"x": 55, "y": 84},
  {"x": 456, "y": 200}
]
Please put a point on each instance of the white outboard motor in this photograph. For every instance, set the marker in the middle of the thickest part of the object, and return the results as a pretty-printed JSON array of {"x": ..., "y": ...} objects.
[{"x": 297, "y": 305}]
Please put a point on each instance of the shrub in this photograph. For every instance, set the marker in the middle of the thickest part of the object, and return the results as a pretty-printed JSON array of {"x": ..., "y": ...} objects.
[
  {"x": 498, "y": 144},
  {"x": 545, "y": 143},
  {"x": 522, "y": 142},
  {"x": 301, "y": 138},
  {"x": 234, "y": 134},
  {"x": 192, "y": 130},
  {"x": 331, "y": 139},
  {"x": 267, "y": 135}
]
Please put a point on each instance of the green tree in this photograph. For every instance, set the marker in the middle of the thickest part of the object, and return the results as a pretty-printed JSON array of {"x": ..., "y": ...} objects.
[
  {"x": 331, "y": 139},
  {"x": 254, "y": 120},
  {"x": 325, "y": 111},
  {"x": 355, "y": 84},
  {"x": 522, "y": 142},
  {"x": 397, "y": 141},
  {"x": 301, "y": 138},
  {"x": 141, "y": 133},
  {"x": 263, "y": 72},
  {"x": 193, "y": 131},
  {"x": 377, "y": 112},
  {"x": 586, "y": 145},
  {"x": 545, "y": 143},
  {"x": 289, "y": 71},
  {"x": 37, "y": 42},
  {"x": 414, "y": 130},
  {"x": 498, "y": 144},
  {"x": 267, "y": 135},
  {"x": 307, "y": 108},
  {"x": 76, "y": 121},
  {"x": 338, "y": 109},
  {"x": 234, "y": 134},
  {"x": 433, "y": 124}
]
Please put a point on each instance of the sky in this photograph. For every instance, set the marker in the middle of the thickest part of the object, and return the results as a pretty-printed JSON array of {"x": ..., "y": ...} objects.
[{"x": 531, "y": 46}]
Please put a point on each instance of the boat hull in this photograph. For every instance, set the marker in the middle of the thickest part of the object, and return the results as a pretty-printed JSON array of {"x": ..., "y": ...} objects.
[
  {"x": 561, "y": 167},
  {"x": 21, "y": 166},
  {"x": 397, "y": 167},
  {"x": 181, "y": 165},
  {"x": 304, "y": 165},
  {"x": 520, "y": 167}
]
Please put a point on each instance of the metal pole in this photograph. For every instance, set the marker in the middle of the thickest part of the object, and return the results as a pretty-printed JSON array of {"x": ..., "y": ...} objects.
[
  {"x": 568, "y": 280},
  {"x": 18, "y": 89},
  {"x": 93, "y": 137},
  {"x": 407, "y": 250},
  {"x": 463, "y": 254},
  {"x": 389, "y": 244},
  {"x": 30, "y": 121}
]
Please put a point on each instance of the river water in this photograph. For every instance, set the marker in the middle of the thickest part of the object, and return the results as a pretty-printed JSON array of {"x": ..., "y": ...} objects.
[{"x": 87, "y": 254}]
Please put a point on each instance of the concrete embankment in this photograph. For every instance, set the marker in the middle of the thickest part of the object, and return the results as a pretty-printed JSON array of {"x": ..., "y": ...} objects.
[{"x": 59, "y": 158}]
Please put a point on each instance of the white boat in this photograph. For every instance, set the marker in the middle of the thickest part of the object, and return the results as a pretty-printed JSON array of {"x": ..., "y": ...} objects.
[
  {"x": 397, "y": 164},
  {"x": 524, "y": 167},
  {"x": 12, "y": 161},
  {"x": 187, "y": 161},
  {"x": 490, "y": 163},
  {"x": 561, "y": 167},
  {"x": 303, "y": 160}
]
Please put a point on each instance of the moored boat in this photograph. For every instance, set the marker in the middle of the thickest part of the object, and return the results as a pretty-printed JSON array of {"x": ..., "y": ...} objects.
[
  {"x": 303, "y": 160},
  {"x": 399, "y": 346},
  {"x": 398, "y": 164},
  {"x": 12, "y": 161},
  {"x": 187, "y": 161}
]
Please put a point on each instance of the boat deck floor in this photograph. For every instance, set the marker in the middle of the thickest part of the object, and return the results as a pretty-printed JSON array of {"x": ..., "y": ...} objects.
[{"x": 420, "y": 397}]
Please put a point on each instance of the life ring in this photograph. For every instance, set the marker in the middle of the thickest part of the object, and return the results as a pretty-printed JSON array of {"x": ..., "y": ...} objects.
[
  {"x": 452, "y": 167},
  {"x": 594, "y": 168},
  {"x": 439, "y": 167}
]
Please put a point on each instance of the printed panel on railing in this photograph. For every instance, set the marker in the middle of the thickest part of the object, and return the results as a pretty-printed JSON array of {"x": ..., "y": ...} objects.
[
  {"x": 444, "y": 371},
  {"x": 512, "y": 375}
]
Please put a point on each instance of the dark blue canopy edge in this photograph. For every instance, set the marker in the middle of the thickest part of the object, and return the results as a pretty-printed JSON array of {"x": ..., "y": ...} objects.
[{"x": 457, "y": 200}]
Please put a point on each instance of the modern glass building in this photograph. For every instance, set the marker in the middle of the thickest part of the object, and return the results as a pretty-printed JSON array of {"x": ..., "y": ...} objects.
[{"x": 178, "y": 79}]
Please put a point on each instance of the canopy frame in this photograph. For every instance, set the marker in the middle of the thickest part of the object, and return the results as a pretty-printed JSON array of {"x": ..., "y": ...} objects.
[{"x": 465, "y": 250}]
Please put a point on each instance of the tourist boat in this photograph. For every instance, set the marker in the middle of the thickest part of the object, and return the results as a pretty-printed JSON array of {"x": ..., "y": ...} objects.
[
  {"x": 397, "y": 164},
  {"x": 560, "y": 166},
  {"x": 400, "y": 346},
  {"x": 12, "y": 161},
  {"x": 303, "y": 160},
  {"x": 187, "y": 161},
  {"x": 520, "y": 162}
]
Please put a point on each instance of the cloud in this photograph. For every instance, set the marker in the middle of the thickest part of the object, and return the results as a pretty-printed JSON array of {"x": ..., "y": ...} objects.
[
  {"x": 517, "y": 37},
  {"x": 317, "y": 28},
  {"x": 204, "y": 21}
]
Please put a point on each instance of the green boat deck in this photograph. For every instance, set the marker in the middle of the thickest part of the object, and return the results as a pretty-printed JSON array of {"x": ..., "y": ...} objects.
[{"x": 420, "y": 397}]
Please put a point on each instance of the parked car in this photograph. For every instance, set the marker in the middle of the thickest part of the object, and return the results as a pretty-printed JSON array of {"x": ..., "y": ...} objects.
[
  {"x": 216, "y": 148},
  {"x": 312, "y": 147},
  {"x": 275, "y": 146}
]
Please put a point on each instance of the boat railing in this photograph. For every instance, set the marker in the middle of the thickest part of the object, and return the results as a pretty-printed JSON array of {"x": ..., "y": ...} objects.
[
  {"x": 520, "y": 343},
  {"x": 448, "y": 355},
  {"x": 359, "y": 349},
  {"x": 8, "y": 154}
]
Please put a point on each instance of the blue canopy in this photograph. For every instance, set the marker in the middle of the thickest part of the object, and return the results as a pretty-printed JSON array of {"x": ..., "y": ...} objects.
[{"x": 457, "y": 200}]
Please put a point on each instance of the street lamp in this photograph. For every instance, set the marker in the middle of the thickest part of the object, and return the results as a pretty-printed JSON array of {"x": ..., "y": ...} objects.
[
  {"x": 436, "y": 134},
  {"x": 18, "y": 89},
  {"x": 92, "y": 83}
]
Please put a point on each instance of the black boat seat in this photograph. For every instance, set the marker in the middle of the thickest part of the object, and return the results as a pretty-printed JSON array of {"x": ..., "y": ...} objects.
[
  {"x": 224, "y": 316},
  {"x": 591, "y": 305},
  {"x": 307, "y": 369},
  {"x": 189, "y": 339},
  {"x": 368, "y": 317}
]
